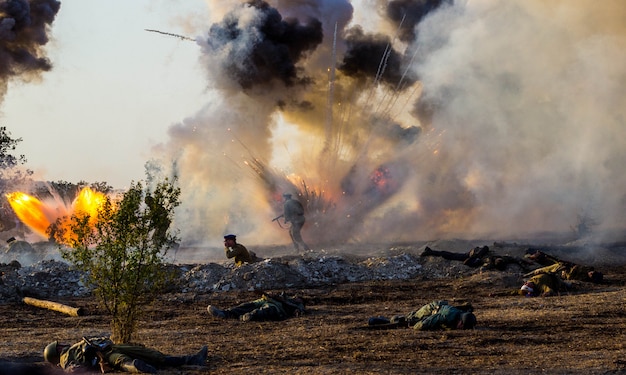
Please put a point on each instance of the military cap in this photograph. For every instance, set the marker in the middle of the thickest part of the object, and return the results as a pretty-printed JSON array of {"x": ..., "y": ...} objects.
[{"x": 230, "y": 237}]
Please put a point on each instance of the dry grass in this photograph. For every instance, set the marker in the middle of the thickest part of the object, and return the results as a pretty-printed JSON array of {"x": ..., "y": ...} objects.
[{"x": 581, "y": 333}]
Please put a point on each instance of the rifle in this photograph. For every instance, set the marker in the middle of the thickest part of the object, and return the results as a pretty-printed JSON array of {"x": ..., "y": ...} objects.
[
  {"x": 98, "y": 349},
  {"x": 277, "y": 217}
]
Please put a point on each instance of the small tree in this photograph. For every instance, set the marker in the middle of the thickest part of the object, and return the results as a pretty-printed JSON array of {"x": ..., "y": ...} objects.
[{"x": 122, "y": 251}]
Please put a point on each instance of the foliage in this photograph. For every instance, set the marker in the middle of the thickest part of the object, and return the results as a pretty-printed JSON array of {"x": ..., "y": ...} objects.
[
  {"x": 8, "y": 144},
  {"x": 122, "y": 251},
  {"x": 10, "y": 175}
]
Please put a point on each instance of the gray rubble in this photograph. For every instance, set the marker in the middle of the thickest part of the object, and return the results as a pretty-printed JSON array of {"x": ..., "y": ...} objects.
[{"x": 52, "y": 278}]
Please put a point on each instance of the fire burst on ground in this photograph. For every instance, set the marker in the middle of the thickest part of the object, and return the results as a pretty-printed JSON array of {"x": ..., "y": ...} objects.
[{"x": 40, "y": 215}]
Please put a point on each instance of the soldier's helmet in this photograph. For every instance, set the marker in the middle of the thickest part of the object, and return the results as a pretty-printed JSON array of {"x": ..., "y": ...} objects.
[
  {"x": 469, "y": 320},
  {"x": 50, "y": 353}
]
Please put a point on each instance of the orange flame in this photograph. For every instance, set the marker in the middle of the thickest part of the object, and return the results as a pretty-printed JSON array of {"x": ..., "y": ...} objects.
[
  {"x": 38, "y": 215},
  {"x": 87, "y": 203},
  {"x": 31, "y": 211}
]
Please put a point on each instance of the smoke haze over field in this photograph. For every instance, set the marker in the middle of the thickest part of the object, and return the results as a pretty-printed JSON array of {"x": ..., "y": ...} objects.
[{"x": 476, "y": 117}]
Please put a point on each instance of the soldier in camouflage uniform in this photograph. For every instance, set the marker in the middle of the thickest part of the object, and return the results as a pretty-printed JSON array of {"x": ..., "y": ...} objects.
[
  {"x": 268, "y": 307},
  {"x": 432, "y": 316},
  {"x": 102, "y": 354},
  {"x": 440, "y": 315}
]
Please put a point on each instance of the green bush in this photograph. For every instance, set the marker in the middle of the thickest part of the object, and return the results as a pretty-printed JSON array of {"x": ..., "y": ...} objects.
[{"x": 122, "y": 251}]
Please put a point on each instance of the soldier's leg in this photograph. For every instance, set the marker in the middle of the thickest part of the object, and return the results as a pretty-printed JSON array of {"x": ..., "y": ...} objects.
[
  {"x": 445, "y": 254},
  {"x": 127, "y": 362},
  {"x": 292, "y": 234},
  {"x": 264, "y": 313},
  {"x": 197, "y": 359},
  {"x": 242, "y": 309},
  {"x": 137, "y": 366},
  {"x": 297, "y": 236}
]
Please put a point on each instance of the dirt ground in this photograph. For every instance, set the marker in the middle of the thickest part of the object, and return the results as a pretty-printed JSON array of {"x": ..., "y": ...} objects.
[{"x": 582, "y": 332}]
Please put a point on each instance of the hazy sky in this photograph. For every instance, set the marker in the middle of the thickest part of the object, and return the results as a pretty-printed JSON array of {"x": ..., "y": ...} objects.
[{"x": 113, "y": 91}]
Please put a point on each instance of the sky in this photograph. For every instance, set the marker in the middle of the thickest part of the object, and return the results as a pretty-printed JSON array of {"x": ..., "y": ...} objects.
[
  {"x": 392, "y": 120},
  {"x": 112, "y": 92}
]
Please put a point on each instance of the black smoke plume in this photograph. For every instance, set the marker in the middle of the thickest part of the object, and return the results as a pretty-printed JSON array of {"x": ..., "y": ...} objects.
[
  {"x": 24, "y": 27},
  {"x": 370, "y": 57},
  {"x": 267, "y": 48}
]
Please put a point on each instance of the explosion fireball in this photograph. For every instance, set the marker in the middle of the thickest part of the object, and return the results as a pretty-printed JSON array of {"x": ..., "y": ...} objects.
[{"x": 38, "y": 215}]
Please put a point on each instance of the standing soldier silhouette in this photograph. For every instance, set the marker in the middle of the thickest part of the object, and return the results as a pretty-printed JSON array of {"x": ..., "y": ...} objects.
[{"x": 294, "y": 213}]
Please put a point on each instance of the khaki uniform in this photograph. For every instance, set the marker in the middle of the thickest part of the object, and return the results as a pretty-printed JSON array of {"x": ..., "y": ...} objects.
[
  {"x": 567, "y": 271},
  {"x": 240, "y": 253},
  {"x": 547, "y": 284}
]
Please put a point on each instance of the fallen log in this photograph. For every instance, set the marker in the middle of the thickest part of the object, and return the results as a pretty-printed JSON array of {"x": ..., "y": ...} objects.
[{"x": 55, "y": 306}]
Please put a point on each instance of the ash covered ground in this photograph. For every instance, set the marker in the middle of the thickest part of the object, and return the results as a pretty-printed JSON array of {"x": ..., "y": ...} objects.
[{"x": 580, "y": 331}]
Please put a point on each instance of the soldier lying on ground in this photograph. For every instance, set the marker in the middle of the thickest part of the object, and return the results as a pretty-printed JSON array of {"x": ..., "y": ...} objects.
[
  {"x": 544, "y": 285},
  {"x": 434, "y": 316},
  {"x": 103, "y": 355},
  {"x": 479, "y": 257},
  {"x": 268, "y": 307},
  {"x": 567, "y": 270}
]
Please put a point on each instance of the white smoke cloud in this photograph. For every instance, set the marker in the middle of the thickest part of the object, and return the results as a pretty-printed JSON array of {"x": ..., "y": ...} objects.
[{"x": 531, "y": 109}]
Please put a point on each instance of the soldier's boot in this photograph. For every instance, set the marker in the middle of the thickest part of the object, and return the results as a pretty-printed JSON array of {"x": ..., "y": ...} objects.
[
  {"x": 215, "y": 312},
  {"x": 138, "y": 366},
  {"x": 197, "y": 359}
]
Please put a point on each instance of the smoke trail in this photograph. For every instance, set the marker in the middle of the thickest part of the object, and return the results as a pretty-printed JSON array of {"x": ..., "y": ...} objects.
[
  {"x": 515, "y": 125},
  {"x": 23, "y": 33}
]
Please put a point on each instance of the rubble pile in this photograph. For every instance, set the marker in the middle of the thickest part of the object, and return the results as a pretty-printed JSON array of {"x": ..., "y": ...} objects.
[
  {"x": 44, "y": 279},
  {"x": 53, "y": 279}
]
